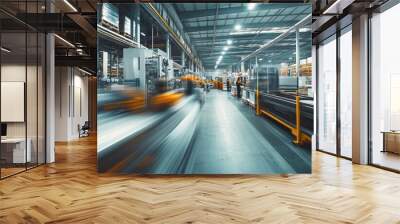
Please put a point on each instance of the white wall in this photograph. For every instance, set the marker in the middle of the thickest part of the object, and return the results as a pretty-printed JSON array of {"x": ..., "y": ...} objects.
[
  {"x": 33, "y": 126},
  {"x": 16, "y": 73},
  {"x": 80, "y": 110},
  {"x": 71, "y": 102},
  {"x": 12, "y": 73},
  {"x": 61, "y": 103}
]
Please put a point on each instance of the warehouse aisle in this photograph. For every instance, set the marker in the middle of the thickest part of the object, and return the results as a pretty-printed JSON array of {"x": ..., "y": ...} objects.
[
  {"x": 230, "y": 138},
  {"x": 223, "y": 136}
]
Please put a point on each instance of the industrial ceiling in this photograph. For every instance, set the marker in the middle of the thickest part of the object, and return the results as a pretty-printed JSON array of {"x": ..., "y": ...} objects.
[{"x": 234, "y": 30}]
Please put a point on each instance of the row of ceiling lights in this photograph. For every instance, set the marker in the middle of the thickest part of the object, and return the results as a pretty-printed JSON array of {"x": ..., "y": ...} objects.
[{"x": 250, "y": 6}]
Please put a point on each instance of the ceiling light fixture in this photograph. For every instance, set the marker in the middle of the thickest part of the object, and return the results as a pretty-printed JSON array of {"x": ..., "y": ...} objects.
[
  {"x": 337, "y": 7},
  {"x": 251, "y": 6},
  {"x": 70, "y": 5},
  {"x": 304, "y": 29},
  {"x": 223, "y": 52},
  {"x": 258, "y": 32},
  {"x": 5, "y": 50},
  {"x": 229, "y": 42},
  {"x": 226, "y": 48},
  {"x": 86, "y": 72},
  {"x": 64, "y": 40},
  {"x": 238, "y": 27},
  {"x": 79, "y": 51}
]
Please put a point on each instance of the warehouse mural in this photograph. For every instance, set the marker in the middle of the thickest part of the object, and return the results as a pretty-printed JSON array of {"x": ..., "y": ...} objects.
[{"x": 204, "y": 88}]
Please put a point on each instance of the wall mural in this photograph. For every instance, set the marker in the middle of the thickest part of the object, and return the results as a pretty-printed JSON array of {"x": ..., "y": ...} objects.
[{"x": 198, "y": 101}]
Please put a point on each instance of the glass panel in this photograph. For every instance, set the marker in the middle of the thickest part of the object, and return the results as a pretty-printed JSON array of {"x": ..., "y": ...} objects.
[
  {"x": 41, "y": 99},
  {"x": 22, "y": 79},
  {"x": 13, "y": 87},
  {"x": 385, "y": 84},
  {"x": 31, "y": 98},
  {"x": 327, "y": 95},
  {"x": 305, "y": 80},
  {"x": 346, "y": 92},
  {"x": 281, "y": 81},
  {"x": 277, "y": 79},
  {"x": 32, "y": 89}
]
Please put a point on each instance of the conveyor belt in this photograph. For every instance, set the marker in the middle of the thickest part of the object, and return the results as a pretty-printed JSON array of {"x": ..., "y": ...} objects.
[{"x": 283, "y": 106}]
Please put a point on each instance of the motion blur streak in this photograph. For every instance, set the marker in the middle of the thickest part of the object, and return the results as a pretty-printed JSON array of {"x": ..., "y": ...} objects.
[
  {"x": 199, "y": 134},
  {"x": 156, "y": 142}
]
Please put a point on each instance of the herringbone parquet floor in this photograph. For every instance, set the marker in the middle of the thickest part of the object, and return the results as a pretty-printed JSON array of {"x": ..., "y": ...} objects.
[{"x": 71, "y": 191}]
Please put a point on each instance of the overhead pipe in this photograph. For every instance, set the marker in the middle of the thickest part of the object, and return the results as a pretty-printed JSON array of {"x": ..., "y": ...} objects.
[{"x": 17, "y": 19}]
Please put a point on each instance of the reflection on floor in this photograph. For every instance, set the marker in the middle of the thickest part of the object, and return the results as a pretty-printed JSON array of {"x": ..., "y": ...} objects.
[
  {"x": 10, "y": 171},
  {"x": 386, "y": 159},
  {"x": 224, "y": 136},
  {"x": 71, "y": 191}
]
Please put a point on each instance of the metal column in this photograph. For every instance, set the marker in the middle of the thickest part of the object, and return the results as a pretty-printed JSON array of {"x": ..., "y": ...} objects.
[
  {"x": 297, "y": 57},
  {"x": 50, "y": 92},
  {"x": 183, "y": 58},
  {"x": 257, "y": 89},
  {"x": 360, "y": 90},
  {"x": 137, "y": 23},
  {"x": 168, "y": 46}
]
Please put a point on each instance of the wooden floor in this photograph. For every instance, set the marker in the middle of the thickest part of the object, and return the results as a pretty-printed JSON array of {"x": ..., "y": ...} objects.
[
  {"x": 71, "y": 191},
  {"x": 8, "y": 171}
]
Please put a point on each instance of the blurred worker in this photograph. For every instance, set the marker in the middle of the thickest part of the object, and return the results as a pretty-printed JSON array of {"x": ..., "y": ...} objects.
[
  {"x": 228, "y": 85},
  {"x": 160, "y": 86},
  {"x": 238, "y": 87},
  {"x": 200, "y": 95},
  {"x": 189, "y": 87}
]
